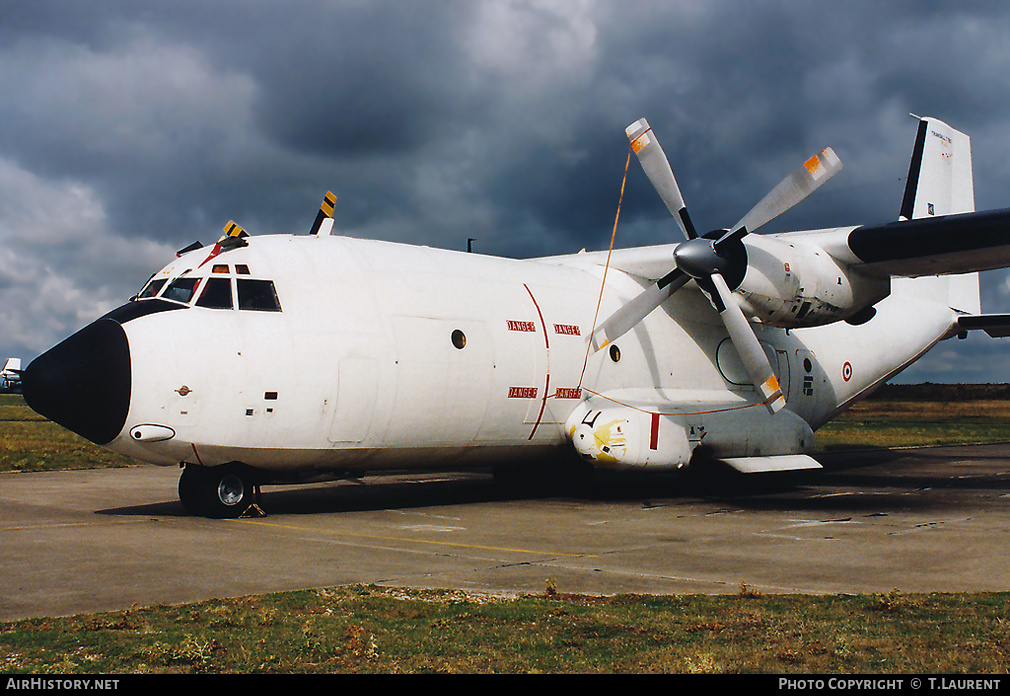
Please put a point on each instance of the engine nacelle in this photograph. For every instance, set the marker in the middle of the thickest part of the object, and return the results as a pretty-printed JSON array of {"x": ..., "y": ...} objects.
[
  {"x": 792, "y": 284},
  {"x": 612, "y": 433}
]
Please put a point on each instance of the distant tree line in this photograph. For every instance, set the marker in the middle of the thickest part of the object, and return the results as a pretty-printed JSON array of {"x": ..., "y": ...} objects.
[{"x": 942, "y": 392}]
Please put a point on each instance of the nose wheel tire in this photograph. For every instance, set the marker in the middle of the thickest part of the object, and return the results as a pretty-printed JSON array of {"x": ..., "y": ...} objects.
[{"x": 220, "y": 491}]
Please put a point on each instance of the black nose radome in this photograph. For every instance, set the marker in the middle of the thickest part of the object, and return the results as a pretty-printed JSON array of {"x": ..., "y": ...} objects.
[{"x": 83, "y": 383}]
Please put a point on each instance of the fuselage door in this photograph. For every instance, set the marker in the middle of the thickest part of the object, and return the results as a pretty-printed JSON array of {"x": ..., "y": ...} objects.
[
  {"x": 443, "y": 368},
  {"x": 357, "y": 381}
]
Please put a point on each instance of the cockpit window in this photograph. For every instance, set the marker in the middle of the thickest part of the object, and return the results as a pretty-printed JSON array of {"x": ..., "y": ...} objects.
[
  {"x": 216, "y": 294},
  {"x": 181, "y": 290},
  {"x": 216, "y": 291},
  {"x": 152, "y": 288},
  {"x": 258, "y": 295}
]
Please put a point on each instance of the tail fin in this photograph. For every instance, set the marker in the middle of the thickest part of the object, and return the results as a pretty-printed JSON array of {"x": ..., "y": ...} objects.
[
  {"x": 939, "y": 176},
  {"x": 939, "y": 183}
]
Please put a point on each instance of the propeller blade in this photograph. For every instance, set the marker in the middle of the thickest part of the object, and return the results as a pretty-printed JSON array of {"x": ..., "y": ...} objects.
[
  {"x": 325, "y": 213},
  {"x": 793, "y": 189},
  {"x": 232, "y": 233},
  {"x": 625, "y": 318},
  {"x": 747, "y": 346},
  {"x": 234, "y": 236},
  {"x": 657, "y": 168}
]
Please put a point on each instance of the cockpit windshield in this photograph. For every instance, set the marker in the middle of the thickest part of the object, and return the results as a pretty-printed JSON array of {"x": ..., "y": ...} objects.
[
  {"x": 181, "y": 290},
  {"x": 216, "y": 294},
  {"x": 217, "y": 291}
]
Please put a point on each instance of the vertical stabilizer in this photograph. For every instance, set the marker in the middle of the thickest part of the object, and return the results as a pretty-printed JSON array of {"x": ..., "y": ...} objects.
[
  {"x": 939, "y": 176},
  {"x": 940, "y": 182}
]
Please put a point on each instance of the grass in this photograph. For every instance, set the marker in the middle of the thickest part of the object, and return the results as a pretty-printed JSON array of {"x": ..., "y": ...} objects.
[
  {"x": 901, "y": 423},
  {"x": 29, "y": 442},
  {"x": 378, "y": 630}
]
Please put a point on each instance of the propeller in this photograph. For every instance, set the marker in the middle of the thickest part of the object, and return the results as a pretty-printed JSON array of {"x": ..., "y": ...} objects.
[
  {"x": 325, "y": 215},
  {"x": 234, "y": 237},
  {"x": 716, "y": 259}
]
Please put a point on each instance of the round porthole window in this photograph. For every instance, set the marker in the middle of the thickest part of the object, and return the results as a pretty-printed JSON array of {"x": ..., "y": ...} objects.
[
  {"x": 615, "y": 353},
  {"x": 458, "y": 339}
]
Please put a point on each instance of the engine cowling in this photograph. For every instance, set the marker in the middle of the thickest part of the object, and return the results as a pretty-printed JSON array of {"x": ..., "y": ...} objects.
[{"x": 793, "y": 284}]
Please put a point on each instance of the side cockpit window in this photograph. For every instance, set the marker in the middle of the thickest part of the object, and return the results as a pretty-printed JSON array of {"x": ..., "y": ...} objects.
[
  {"x": 152, "y": 288},
  {"x": 259, "y": 295}
]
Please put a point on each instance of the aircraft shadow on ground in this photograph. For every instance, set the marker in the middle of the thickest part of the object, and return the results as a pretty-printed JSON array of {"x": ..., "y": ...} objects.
[{"x": 843, "y": 484}]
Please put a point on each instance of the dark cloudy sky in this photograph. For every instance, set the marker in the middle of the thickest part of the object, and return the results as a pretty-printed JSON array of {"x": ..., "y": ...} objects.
[{"x": 130, "y": 129}]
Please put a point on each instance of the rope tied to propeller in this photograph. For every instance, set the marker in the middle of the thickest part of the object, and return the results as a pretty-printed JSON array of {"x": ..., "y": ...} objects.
[{"x": 606, "y": 267}]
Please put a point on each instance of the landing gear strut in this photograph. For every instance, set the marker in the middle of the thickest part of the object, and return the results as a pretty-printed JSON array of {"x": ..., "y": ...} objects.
[{"x": 221, "y": 492}]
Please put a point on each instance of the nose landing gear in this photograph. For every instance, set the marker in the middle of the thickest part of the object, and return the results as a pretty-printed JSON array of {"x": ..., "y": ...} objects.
[{"x": 222, "y": 492}]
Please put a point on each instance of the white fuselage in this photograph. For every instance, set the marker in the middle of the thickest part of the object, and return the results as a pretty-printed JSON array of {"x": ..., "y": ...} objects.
[{"x": 393, "y": 356}]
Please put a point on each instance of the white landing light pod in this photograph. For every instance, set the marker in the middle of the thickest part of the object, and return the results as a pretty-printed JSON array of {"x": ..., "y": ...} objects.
[{"x": 623, "y": 430}]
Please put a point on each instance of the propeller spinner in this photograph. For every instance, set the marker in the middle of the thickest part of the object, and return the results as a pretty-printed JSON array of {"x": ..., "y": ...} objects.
[{"x": 712, "y": 261}]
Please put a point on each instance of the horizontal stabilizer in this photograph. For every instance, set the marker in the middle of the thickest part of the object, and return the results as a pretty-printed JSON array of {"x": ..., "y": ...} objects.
[
  {"x": 760, "y": 465},
  {"x": 996, "y": 325}
]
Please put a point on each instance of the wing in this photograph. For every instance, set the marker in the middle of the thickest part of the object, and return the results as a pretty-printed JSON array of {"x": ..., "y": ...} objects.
[{"x": 932, "y": 246}]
